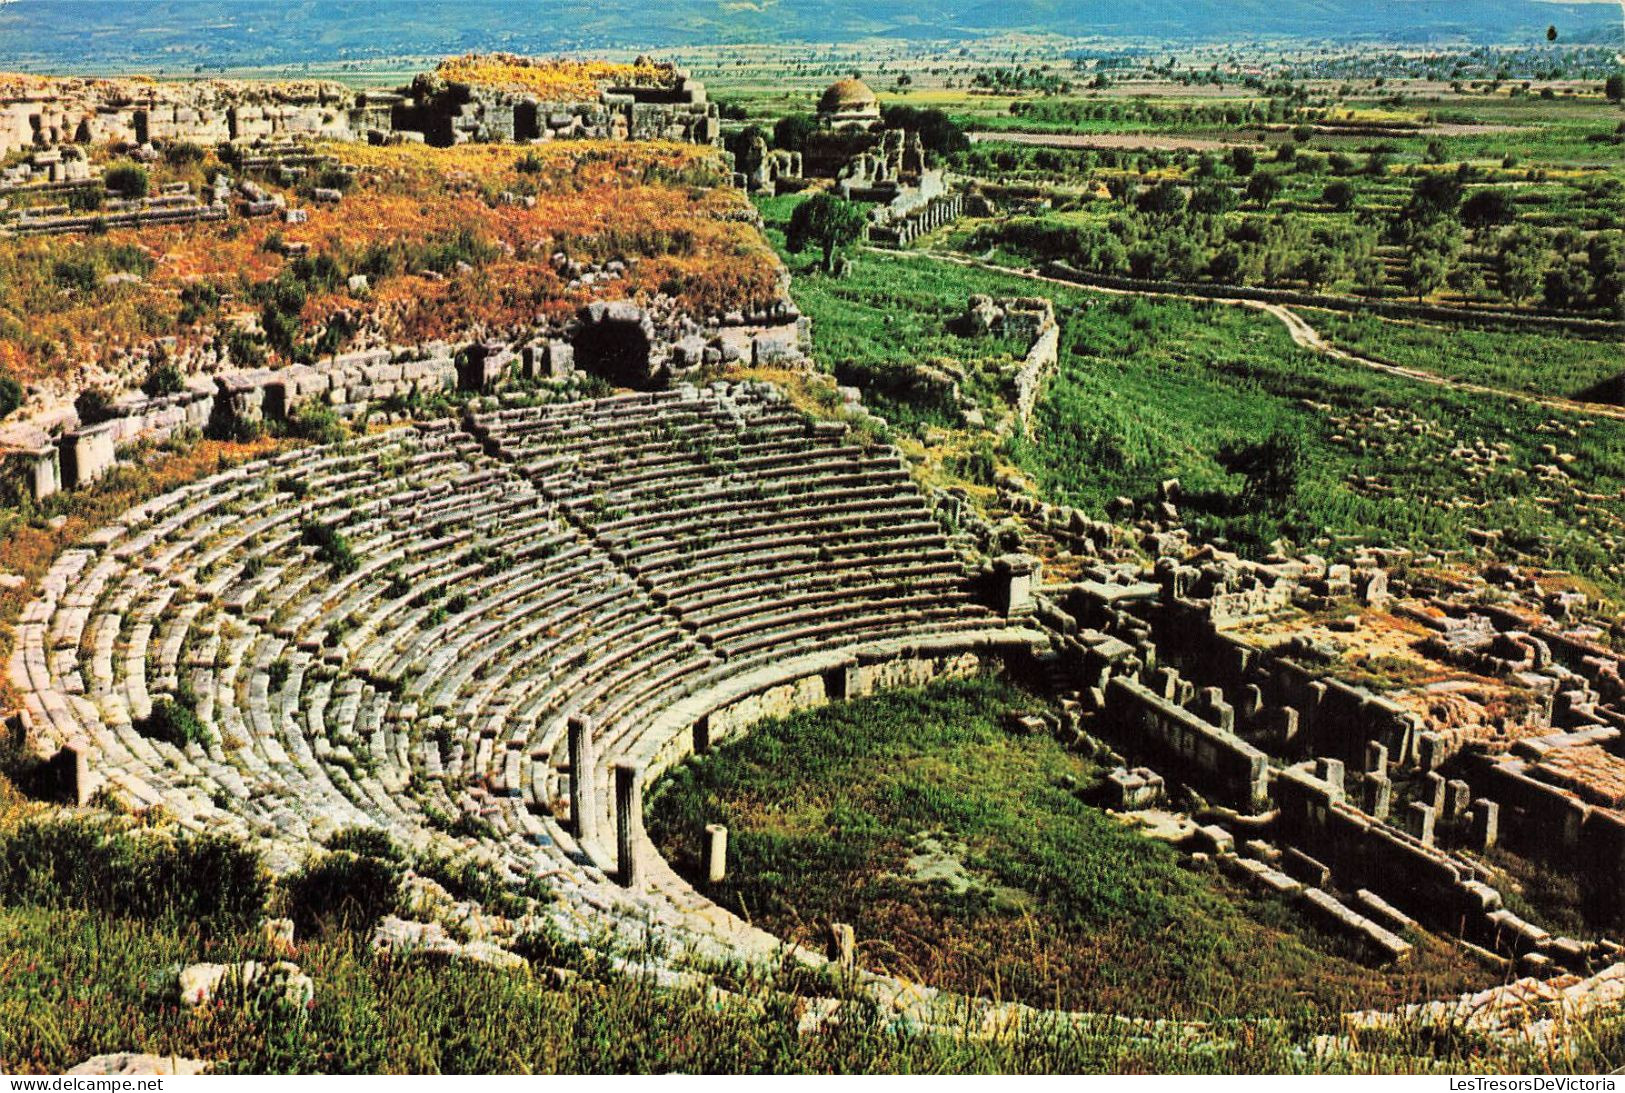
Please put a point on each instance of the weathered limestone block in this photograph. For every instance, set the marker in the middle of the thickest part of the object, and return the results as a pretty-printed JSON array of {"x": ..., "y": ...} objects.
[
  {"x": 128, "y": 1064},
  {"x": 87, "y": 454},
  {"x": 1486, "y": 823},
  {"x": 1014, "y": 577},
  {"x": 202, "y": 983}
]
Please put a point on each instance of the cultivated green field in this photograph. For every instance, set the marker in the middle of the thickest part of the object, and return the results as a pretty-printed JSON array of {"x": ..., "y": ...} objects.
[
  {"x": 1540, "y": 363},
  {"x": 1150, "y": 389}
]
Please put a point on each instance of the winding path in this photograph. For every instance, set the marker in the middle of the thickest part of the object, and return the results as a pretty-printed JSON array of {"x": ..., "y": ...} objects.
[{"x": 1298, "y": 328}]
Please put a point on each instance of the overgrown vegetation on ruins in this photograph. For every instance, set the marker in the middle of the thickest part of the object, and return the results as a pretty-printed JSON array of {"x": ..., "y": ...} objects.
[
  {"x": 550, "y": 80},
  {"x": 425, "y": 243}
]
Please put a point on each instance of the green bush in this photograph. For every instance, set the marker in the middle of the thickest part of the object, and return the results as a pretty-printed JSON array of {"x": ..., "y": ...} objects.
[
  {"x": 332, "y": 546},
  {"x": 367, "y": 842},
  {"x": 174, "y": 723},
  {"x": 127, "y": 180},
  {"x": 11, "y": 395},
  {"x": 342, "y": 891},
  {"x": 163, "y": 378},
  {"x": 86, "y": 199},
  {"x": 184, "y": 152},
  {"x": 317, "y": 423}
]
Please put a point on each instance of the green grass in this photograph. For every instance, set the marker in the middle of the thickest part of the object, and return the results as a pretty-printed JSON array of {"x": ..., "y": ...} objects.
[
  {"x": 1060, "y": 904},
  {"x": 1541, "y": 363}
]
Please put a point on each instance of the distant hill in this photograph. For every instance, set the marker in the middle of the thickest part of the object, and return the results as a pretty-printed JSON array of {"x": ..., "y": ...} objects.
[{"x": 178, "y": 34}]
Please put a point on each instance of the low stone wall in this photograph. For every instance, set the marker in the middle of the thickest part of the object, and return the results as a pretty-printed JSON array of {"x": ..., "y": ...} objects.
[
  {"x": 352, "y": 383},
  {"x": 1036, "y": 367},
  {"x": 1216, "y": 757},
  {"x": 1363, "y": 852},
  {"x": 138, "y": 218},
  {"x": 904, "y": 229}
]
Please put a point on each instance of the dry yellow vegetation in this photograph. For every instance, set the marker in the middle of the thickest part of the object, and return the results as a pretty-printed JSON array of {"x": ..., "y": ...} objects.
[{"x": 550, "y": 80}]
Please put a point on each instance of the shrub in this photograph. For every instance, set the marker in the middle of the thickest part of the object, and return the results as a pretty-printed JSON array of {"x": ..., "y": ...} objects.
[
  {"x": 184, "y": 152},
  {"x": 86, "y": 199},
  {"x": 342, "y": 891},
  {"x": 75, "y": 274},
  {"x": 127, "y": 180},
  {"x": 367, "y": 842},
  {"x": 198, "y": 301},
  {"x": 174, "y": 723},
  {"x": 90, "y": 864},
  {"x": 317, "y": 423},
  {"x": 332, "y": 546},
  {"x": 244, "y": 349},
  {"x": 11, "y": 395},
  {"x": 163, "y": 378},
  {"x": 276, "y": 676},
  {"x": 93, "y": 405}
]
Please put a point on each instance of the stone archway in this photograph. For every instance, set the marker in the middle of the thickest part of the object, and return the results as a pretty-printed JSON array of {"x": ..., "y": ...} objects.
[{"x": 615, "y": 340}]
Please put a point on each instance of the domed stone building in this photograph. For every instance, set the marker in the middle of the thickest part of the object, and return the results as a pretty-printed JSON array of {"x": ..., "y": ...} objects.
[
  {"x": 865, "y": 161},
  {"x": 849, "y": 104}
]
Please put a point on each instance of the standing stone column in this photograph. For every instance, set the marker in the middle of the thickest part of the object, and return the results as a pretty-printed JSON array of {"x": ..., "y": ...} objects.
[
  {"x": 844, "y": 946},
  {"x": 1486, "y": 823},
  {"x": 77, "y": 753},
  {"x": 583, "y": 801},
  {"x": 716, "y": 853},
  {"x": 628, "y": 819}
]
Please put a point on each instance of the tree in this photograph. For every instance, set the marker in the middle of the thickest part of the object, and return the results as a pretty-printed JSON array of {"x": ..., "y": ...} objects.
[
  {"x": 1166, "y": 198},
  {"x": 1566, "y": 285},
  {"x": 1430, "y": 255},
  {"x": 828, "y": 222},
  {"x": 1262, "y": 189},
  {"x": 936, "y": 130},
  {"x": 1271, "y": 467},
  {"x": 1520, "y": 263},
  {"x": 1467, "y": 279},
  {"x": 1339, "y": 195},
  {"x": 1322, "y": 265},
  {"x": 1614, "y": 87},
  {"x": 791, "y": 132},
  {"x": 1242, "y": 160},
  {"x": 1605, "y": 259},
  {"x": 1487, "y": 209},
  {"x": 1435, "y": 195},
  {"x": 1212, "y": 199}
]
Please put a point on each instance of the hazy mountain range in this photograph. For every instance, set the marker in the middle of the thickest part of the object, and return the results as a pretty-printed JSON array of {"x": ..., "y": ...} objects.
[{"x": 178, "y": 34}]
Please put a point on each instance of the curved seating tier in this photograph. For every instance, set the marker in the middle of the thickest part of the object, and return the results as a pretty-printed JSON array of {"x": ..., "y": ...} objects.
[{"x": 394, "y": 631}]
